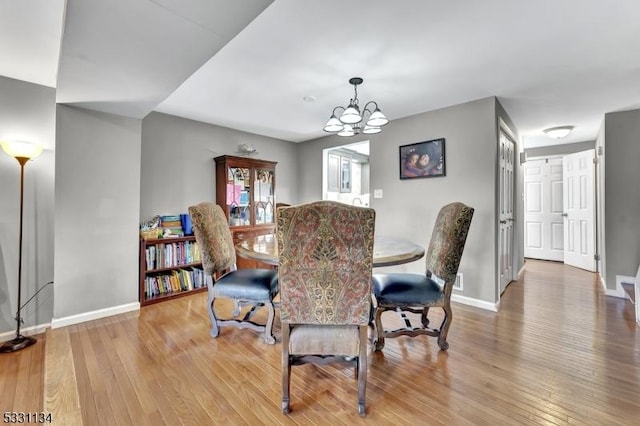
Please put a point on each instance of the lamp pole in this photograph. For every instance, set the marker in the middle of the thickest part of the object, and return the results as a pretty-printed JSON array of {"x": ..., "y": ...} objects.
[{"x": 20, "y": 341}]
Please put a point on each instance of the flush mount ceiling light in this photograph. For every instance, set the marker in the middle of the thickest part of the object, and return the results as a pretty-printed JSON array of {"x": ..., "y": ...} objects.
[
  {"x": 558, "y": 132},
  {"x": 350, "y": 121}
]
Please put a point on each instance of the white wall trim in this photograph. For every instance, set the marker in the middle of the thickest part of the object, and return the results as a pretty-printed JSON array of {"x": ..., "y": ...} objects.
[
  {"x": 493, "y": 307},
  {"x": 25, "y": 331},
  {"x": 636, "y": 288},
  {"x": 618, "y": 291},
  {"x": 602, "y": 282},
  {"x": 93, "y": 315}
]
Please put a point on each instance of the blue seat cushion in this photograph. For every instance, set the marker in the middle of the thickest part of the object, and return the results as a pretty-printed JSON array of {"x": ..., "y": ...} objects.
[
  {"x": 406, "y": 289},
  {"x": 248, "y": 284}
]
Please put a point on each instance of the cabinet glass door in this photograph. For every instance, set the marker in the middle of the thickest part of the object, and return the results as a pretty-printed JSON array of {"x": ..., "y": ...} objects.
[
  {"x": 263, "y": 196},
  {"x": 238, "y": 196}
]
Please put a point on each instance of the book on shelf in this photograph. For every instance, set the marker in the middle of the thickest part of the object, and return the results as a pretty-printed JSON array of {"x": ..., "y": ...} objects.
[
  {"x": 169, "y": 254},
  {"x": 176, "y": 281},
  {"x": 171, "y": 223}
]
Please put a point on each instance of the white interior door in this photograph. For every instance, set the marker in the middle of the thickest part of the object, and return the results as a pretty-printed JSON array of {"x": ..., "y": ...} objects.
[
  {"x": 543, "y": 221},
  {"x": 505, "y": 229},
  {"x": 579, "y": 209}
]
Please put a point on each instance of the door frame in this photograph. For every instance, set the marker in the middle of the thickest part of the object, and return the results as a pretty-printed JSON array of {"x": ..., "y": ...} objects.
[
  {"x": 592, "y": 165},
  {"x": 597, "y": 201},
  {"x": 516, "y": 225}
]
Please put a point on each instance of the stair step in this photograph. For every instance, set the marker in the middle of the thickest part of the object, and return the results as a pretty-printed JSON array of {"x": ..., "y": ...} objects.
[{"x": 630, "y": 290}]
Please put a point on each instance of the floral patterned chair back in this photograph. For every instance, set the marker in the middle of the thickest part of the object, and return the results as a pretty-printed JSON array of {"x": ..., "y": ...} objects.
[
  {"x": 211, "y": 229},
  {"x": 325, "y": 254},
  {"x": 417, "y": 293},
  {"x": 447, "y": 241},
  {"x": 254, "y": 288}
]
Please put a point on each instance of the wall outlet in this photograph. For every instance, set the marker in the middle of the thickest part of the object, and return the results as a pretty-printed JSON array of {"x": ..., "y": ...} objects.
[
  {"x": 377, "y": 193},
  {"x": 459, "y": 284}
]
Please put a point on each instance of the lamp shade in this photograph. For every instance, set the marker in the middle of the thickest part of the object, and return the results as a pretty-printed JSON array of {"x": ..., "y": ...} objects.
[
  {"x": 347, "y": 131},
  {"x": 333, "y": 125},
  {"x": 19, "y": 149},
  {"x": 377, "y": 119},
  {"x": 351, "y": 115},
  {"x": 371, "y": 130}
]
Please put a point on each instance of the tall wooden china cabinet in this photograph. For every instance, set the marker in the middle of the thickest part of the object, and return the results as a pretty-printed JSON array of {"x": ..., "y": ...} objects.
[{"x": 245, "y": 189}]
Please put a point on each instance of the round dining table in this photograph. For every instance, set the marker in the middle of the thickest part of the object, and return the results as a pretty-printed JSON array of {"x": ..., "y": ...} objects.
[{"x": 387, "y": 250}]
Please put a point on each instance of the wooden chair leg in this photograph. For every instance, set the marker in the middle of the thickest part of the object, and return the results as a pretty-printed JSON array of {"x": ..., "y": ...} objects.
[
  {"x": 236, "y": 307},
  {"x": 215, "y": 329},
  {"x": 424, "y": 318},
  {"x": 362, "y": 371},
  {"x": 379, "y": 344},
  {"x": 269, "y": 338},
  {"x": 444, "y": 327},
  {"x": 286, "y": 369}
]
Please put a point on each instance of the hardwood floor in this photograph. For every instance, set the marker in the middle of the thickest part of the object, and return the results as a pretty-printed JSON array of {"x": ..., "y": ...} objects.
[{"x": 558, "y": 352}]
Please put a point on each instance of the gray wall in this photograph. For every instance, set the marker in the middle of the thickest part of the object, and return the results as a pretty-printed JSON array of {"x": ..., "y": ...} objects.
[
  {"x": 409, "y": 207},
  {"x": 622, "y": 194},
  {"x": 97, "y": 202},
  {"x": 27, "y": 112},
  {"x": 178, "y": 168}
]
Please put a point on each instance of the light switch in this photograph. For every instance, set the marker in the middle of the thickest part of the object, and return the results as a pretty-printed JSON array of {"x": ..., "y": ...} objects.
[{"x": 377, "y": 193}]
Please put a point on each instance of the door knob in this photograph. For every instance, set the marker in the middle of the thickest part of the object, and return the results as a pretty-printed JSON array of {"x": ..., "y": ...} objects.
[
  {"x": 503, "y": 221},
  {"x": 565, "y": 214}
]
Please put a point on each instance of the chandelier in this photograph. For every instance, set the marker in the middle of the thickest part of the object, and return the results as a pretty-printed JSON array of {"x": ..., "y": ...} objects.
[{"x": 350, "y": 121}]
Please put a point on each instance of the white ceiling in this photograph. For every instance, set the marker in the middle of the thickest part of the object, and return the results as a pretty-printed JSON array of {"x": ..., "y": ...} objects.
[{"x": 549, "y": 62}]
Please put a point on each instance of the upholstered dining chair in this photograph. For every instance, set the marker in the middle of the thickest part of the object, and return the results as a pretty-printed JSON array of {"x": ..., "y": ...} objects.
[
  {"x": 417, "y": 293},
  {"x": 246, "y": 287},
  {"x": 325, "y": 255}
]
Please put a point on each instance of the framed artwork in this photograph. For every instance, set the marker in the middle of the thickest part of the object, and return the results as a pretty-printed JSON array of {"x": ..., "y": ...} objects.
[{"x": 422, "y": 159}]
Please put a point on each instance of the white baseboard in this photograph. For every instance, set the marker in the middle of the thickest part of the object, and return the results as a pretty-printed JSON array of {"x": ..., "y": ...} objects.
[
  {"x": 25, "y": 331},
  {"x": 619, "y": 291},
  {"x": 624, "y": 279},
  {"x": 493, "y": 307},
  {"x": 93, "y": 315},
  {"x": 615, "y": 293}
]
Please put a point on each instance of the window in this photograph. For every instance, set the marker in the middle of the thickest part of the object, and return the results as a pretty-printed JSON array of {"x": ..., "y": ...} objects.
[{"x": 345, "y": 174}]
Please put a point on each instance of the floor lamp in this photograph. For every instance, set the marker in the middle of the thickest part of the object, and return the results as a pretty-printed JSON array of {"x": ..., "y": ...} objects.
[{"x": 23, "y": 152}]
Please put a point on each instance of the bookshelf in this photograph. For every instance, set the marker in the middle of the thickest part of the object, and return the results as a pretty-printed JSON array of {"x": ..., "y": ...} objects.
[
  {"x": 245, "y": 189},
  {"x": 169, "y": 268}
]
